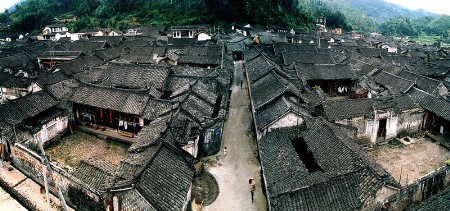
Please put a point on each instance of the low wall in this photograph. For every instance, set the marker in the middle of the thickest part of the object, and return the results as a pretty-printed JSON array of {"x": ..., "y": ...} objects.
[
  {"x": 417, "y": 192},
  {"x": 29, "y": 162}
]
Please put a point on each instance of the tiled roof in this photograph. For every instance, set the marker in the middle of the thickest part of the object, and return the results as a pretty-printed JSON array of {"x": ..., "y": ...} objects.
[
  {"x": 124, "y": 101},
  {"x": 63, "y": 89},
  {"x": 404, "y": 103},
  {"x": 428, "y": 70},
  {"x": 343, "y": 182},
  {"x": 93, "y": 75},
  {"x": 110, "y": 40},
  {"x": 427, "y": 84},
  {"x": 197, "y": 107},
  {"x": 11, "y": 113},
  {"x": 95, "y": 172},
  {"x": 395, "y": 84},
  {"x": 132, "y": 166},
  {"x": 277, "y": 110},
  {"x": 135, "y": 76},
  {"x": 436, "y": 202},
  {"x": 35, "y": 103},
  {"x": 352, "y": 108},
  {"x": 251, "y": 54},
  {"x": 110, "y": 53},
  {"x": 166, "y": 181},
  {"x": 289, "y": 47},
  {"x": 428, "y": 102},
  {"x": 258, "y": 67},
  {"x": 347, "y": 109},
  {"x": 393, "y": 69},
  {"x": 201, "y": 55},
  {"x": 151, "y": 133},
  {"x": 133, "y": 200},
  {"x": 18, "y": 60},
  {"x": 80, "y": 64},
  {"x": 307, "y": 58},
  {"x": 179, "y": 84},
  {"x": 86, "y": 47},
  {"x": 17, "y": 110},
  {"x": 266, "y": 89},
  {"x": 51, "y": 78},
  {"x": 326, "y": 72},
  {"x": 156, "y": 107},
  {"x": 64, "y": 55},
  {"x": 143, "y": 55},
  {"x": 372, "y": 52},
  {"x": 14, "y": 80}
]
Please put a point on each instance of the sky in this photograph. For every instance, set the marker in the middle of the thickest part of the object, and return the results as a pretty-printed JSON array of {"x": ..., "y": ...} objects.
[
  {"x": 5, "y": 4},
  {"x": 436, "y": 6}
]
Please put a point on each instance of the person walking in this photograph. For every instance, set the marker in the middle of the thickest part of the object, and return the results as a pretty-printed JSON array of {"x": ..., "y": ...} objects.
[
  {"x": 224, "y": 151},
  {"x": 241, "y": 83},
  {"x": 2, "y": 154},
  {"x": 252, "y": 186}
]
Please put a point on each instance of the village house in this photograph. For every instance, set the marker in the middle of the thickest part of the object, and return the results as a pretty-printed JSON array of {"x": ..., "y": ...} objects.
[
  {"x": 50, "y": 59},
  {"x": 54, "y": 32},
  {"x": 17, "y": 71},
  {"x": 437, "y": 111},
  {"x": 376, "y": 119},
  {"x": 312, "y": 168},
  {"x": 188, "y": 31},
  {"x": 159, "y": 104}
]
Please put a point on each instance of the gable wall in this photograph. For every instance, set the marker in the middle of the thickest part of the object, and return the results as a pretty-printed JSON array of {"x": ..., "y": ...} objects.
[{"x": 288, "y": 120}]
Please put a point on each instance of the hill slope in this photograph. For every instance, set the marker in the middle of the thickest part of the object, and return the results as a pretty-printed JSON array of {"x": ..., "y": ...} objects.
[{"x": 366, "y": 15}]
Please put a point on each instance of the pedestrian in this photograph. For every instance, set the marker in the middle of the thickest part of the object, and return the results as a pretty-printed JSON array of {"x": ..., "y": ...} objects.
[
  {"x": 241, "y": 83},
  {"x": 252, "y": 186},
  {"x": 224, "y": 151},
  {"x": 2, "y": 154}
]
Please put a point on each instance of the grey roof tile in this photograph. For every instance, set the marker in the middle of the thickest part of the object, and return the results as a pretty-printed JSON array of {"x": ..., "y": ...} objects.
[
  {"x": 125, "y": 101},
  {"x": 433, "y": 104}
]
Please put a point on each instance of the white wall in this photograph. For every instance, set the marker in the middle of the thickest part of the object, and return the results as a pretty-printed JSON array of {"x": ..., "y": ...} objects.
[
  {"x": 51, "y": 129},
  {"x": 288, "y": 120}
]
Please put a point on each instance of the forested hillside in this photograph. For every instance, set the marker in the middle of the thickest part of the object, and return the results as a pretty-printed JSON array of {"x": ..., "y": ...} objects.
[
  {"x": 32, "y": 15},
  {"x": 361, "y": 15}
]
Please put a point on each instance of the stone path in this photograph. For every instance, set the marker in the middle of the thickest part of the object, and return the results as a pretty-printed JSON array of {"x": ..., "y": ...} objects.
[
  {"x": 9, "y": 203},
  {"x": 233, "y": 171},
  {"x": 27, "y": 188}
]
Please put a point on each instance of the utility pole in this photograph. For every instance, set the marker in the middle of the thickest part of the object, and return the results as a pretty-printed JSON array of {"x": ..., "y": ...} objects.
[{"x": 47, "y": 167}]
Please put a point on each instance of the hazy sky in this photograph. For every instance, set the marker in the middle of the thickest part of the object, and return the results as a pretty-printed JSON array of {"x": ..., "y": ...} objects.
[{"x": 436, "y": 6}]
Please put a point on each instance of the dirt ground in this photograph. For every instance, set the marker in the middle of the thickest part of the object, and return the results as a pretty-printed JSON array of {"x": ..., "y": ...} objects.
[
  {"x": 407, "y": 163},
  {"x": 80, "y": 146},
  {"x": 205, "y": 188},
  {"x": 233, "y": 171}
]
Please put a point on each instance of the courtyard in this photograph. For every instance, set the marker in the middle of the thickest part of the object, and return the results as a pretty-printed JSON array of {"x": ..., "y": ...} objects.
[
  {"x": 78, "y": 146},
  {"x": 411, "y": 161}
]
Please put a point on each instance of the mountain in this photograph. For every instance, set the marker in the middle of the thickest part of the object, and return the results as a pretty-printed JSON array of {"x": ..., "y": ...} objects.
[
  {"x": 366, "y": 15},
  {"x": 381, "y": 10}
]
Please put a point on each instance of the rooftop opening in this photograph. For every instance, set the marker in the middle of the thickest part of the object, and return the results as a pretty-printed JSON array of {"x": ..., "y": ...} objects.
[
  {"x": 166, "y": 95},
  {"x": 305, "y": 154}
]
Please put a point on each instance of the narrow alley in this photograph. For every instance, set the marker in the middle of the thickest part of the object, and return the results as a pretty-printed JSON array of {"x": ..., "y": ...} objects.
[{"x": 240, "y": 163}]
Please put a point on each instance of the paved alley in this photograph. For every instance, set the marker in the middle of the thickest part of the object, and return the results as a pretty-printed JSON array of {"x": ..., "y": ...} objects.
[{"x": 233, "y": 171}]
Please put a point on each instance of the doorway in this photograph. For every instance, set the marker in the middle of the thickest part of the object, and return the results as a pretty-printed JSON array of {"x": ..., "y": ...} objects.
[{"x": 382, "y": 128}]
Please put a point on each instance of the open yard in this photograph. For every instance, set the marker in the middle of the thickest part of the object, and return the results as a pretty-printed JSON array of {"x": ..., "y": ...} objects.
[
  {"x": 407, "y": 163},
  {"x": 80, "y": 146}
]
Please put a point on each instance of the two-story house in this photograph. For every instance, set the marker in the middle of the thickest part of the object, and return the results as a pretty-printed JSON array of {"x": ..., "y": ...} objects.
[{"x": 54, "y": 32}]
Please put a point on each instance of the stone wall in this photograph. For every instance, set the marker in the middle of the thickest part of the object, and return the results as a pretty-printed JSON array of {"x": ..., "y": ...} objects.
[
  {"x": 30, "y": 163},
  {"x": 418, "y": 191}
]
